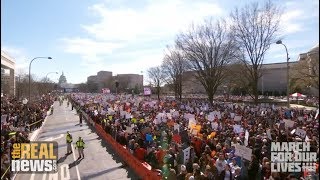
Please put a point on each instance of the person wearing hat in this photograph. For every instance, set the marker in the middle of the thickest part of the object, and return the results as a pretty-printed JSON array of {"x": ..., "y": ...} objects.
[
  {"x": 183, "y": 173},
  {"x": 69, "y": 141},
  {"x": 80, "y": 146}
]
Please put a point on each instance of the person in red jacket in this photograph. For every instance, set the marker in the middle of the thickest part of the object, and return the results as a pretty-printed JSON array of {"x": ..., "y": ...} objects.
[
  {"x": 160, "y": 155},
  {"x": 197, "y": 146},
  {"x": 140, "y": 153}
]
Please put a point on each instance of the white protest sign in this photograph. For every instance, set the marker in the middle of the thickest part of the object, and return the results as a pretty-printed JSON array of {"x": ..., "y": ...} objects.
[
  {"x": 216, "y": 113},
  {"x": 307, "y": 139},
  {"x": 232, "y": 115},
  {"x": 300, "y": 132},
  {"x": 169, "y": 116},
  {"x": 175, "y": 114},
  {"x": 246, "y": 138},
  {"x": 237, "y": 129},
  {"x": 194, "y": 132},
  {"x": 129, "y": 129},
  {"x": 210, "y": 117},
  {"x": 176, "y": 127},
  {"x": 243, "y": 151},
  {"x": 186, "y": 155},
  {"x": 288, "y": 123},
  {"x": 128, "y": 115},
  {"x": 122, "y": 113},
  {"x": 237, "y": 118},
  {"x": 189, "y": 116},
  {"x": 269, "y": 134},
  {"x": 192, "y": 121},
  {"x": 3, "y": 118},
  {"x": 214, "y": 125}
]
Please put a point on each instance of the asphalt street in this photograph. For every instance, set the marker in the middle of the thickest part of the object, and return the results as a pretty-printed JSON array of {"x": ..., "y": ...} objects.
[{"x": 100, "y": 160}]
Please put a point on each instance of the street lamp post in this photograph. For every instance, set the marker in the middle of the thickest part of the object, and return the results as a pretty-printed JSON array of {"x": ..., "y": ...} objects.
[
  {"x": 50, "y": 73},
  {"x": 47, "y": 78},
  {"x": 30, "y": 75},
  {"x": 288, "y": 84}
]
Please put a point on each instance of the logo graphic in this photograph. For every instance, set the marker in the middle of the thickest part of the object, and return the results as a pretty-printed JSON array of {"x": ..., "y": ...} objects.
[
  {"x": 292, "y": 157},
  {"x": 37, "y": 157}
]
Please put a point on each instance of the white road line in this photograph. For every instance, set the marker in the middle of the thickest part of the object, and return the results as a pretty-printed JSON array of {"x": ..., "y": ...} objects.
[{"x": 74, "y": 157}]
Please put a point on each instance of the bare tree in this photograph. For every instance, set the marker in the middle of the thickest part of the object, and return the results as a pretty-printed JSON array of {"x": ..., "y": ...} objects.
[
  {"x": 306, "y": 72},
  {"x": 208, "y": 49},
  {"x": 92, "y": 87},
  {"x": 235, "y": 79},
  {"x": 173, "y": 66},
  {"x": 254, "y": 27},
  {"x": 124, "y": 82},
  {"x": 157, "y": 77},
  {"x": 83, "y": 87}
]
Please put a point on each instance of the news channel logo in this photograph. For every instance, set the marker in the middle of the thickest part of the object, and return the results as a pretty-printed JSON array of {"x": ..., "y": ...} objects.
[{"x": 35, "y": 157}]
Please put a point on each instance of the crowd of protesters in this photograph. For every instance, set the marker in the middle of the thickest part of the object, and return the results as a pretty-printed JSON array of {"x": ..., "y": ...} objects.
[
  {"x": 159, "y": 132},
  {"x": 18, "y": 119}
]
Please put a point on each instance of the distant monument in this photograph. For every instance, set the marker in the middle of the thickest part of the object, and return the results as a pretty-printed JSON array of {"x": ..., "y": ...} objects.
[{"x": 62, "y": 79}]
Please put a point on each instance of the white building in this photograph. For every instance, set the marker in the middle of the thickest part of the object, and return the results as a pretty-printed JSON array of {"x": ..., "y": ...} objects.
[{"x": 8, "y": 83}]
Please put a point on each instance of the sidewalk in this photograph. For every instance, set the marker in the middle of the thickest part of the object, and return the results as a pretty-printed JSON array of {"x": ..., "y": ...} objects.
[
  {"x": 301, "y": 106},
  {"x": 33, "y": 135}
]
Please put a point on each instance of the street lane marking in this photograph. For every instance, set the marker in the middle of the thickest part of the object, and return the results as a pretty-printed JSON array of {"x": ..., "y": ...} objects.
[
  {"x": 64, "y": 174},
  {"x": 54, "y": 138},
  {"x": 74, "y": 157}
]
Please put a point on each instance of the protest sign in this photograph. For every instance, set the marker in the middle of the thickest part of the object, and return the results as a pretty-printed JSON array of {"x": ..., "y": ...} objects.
[
  {"x": 307, "y": 139},
  {"x": 3, "y": 118},
  {"x": 237, "y": 118},
  {"x": 246, "y": 138},
  {"x": 288, "y": 123},
  {"x": 176, "y": 127},
  {"x": 269, "y": 134},
  {"x": 237, "y": 129},
  {"x": 175, "y": 114},
  {"x": 194, "y": 132},
  {"x": 243, "y": 151},
  {"x": 232, "y": 115},
  {"x": 300, "y": 132},
  {"x": 146, "y": 91},
  {"x": 186, "y": 155},
  {"x": 169, "y": 116},
  {"x": 192, "y": 122},
  {"x": 129, "y": 129},
  {"x": 128, "y": 115},
  {"x": 210, "y": 117},
  {"x": 215, "y": 126}
]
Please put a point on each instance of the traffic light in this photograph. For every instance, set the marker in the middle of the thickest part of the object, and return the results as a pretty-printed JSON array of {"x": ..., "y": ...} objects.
[{"x": 117, "y": 84}]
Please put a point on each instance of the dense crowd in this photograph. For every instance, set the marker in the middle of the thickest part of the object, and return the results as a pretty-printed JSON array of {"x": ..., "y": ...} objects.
[
  {"x": 196, "y": 140},
  {"x": 18, "y": 119}
]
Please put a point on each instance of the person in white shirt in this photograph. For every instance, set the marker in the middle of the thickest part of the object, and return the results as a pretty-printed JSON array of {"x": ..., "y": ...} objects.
[{"x": 220, "y": 163}]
